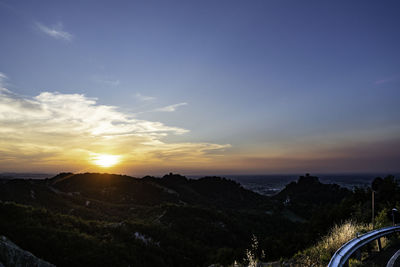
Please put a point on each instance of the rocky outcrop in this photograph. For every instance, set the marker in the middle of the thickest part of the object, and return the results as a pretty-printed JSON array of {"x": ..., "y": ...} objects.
[{"x": 12, "y": 255}]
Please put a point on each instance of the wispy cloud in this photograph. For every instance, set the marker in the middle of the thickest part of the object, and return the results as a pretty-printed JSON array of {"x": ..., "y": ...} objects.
[
  {"x": 64, "y": 130},
  {"x": 170, "y": 108},
  {"x": 383, "y": 81},
  {"x": 144, "y": 98},
  {"x": 55, "y": 31},
  {"x": 108, "y": 82},
  {"x": 387, "y": 80},
  {"x": 3, "y": 77}
]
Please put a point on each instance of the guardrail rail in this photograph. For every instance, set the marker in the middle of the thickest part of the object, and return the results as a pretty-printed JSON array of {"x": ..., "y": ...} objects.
[{"x": 343, "y": 254}]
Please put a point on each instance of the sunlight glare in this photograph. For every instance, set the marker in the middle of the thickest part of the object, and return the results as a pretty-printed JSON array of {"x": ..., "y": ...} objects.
[{"x": 105, "y": 160}]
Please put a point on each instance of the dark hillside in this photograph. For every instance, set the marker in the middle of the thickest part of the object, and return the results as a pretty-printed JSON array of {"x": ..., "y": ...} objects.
[
  {"x": 169, "y": 221},
  {"x": 308, "y": 195},
  {"x": 117, "y": 189},
  {"x": 212, "y": 191}
]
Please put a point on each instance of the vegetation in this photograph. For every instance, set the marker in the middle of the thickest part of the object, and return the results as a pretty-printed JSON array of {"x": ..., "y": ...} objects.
[
  {"x": 320, "y": 253},
  {"x": 253, "y": 255},
  {"x": 113, "y": 220},
  {"x": 359, "y": 204}
]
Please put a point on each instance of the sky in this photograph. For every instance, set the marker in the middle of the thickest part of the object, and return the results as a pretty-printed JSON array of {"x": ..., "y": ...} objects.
[{"x": 200, "y": 87}]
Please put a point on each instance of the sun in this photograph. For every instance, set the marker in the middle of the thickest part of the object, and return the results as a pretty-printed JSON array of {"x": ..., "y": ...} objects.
[{"x": 105, "y": 160}]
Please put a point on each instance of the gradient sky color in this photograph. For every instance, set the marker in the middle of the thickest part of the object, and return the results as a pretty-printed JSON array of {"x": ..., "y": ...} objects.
[{"x": 200, "y": 87}]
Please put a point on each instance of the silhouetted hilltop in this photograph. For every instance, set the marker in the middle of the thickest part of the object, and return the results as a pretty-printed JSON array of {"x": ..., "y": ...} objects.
[
  {"x": 174, "y": 179},
  {"x": 309, "y": 191},
  {"x": 118, "y": 189},
  {"x": 308, "y": 180},
  {"x": 214, "y": 191},
  {"x": 126, "y": 190},
  {"x": 321, "y": 205}
]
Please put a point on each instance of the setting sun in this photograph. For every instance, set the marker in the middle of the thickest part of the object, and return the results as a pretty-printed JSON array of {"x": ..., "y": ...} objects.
[{"x": 105, "y": 161}]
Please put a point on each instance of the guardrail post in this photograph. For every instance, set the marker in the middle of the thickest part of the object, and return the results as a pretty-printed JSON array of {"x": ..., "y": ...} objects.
[
  {"x": 358, "y": 254},
  {"x": 378, "y": 240}
]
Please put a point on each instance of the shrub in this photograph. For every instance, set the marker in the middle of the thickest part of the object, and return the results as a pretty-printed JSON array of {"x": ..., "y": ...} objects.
[
  {"x": 252, "y": 254},
  {"x": 354, "y": 263},
  {"x": 382, "y": 219}
]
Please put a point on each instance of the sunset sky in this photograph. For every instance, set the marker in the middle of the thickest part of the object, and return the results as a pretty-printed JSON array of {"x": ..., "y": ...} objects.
[{"x": 200, "y": 87}]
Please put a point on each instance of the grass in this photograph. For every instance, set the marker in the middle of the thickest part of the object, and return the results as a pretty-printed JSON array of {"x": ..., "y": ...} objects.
[{"x": 320, "y": 254}]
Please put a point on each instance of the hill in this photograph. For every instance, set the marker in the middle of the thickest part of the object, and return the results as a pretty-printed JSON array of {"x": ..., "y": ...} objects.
[{"x": 168, "y": 221}]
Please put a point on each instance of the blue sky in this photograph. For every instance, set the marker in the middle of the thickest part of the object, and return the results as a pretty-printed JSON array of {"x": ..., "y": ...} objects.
[{"x": 266, "y": 86}]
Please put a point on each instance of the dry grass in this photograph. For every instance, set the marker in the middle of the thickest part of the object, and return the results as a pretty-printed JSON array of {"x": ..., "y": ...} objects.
[
  {"x": 320, "y": 254},
  {"x": 340, "y": 234}
]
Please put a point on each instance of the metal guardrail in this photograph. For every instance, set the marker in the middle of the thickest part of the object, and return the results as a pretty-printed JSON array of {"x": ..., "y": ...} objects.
[
  {"x": 343, "y": 254},
  {"x": 393, "y": 259}
]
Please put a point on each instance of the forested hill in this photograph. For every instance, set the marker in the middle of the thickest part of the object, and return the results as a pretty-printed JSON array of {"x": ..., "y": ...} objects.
[
  {"x": 308, "y": 194},
  {"x": 172, "y": 188},
  {"x": 95, "y": 219},
  {"x": 172, "y": 221}
]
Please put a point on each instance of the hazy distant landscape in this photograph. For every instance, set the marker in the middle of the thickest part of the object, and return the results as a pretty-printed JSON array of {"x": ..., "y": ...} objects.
[{"x": 272, "y": 184}]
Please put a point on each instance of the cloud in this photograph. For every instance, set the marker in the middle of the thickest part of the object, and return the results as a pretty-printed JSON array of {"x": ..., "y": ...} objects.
[
  {"x": 144, "y": 98},
  {"x": 106, "y": 81},
  {"x": 358, "y": 156},
  {"x": 62, "y": 131},
  {"x": 170, "y": 108},
  {"x": 112, "y": 83},
  {"x": 55, "y": 31},
  {"x": 383, "y": 81},
  {"x": 2, "y": 76},
  {"x": 387, "y": 80}
]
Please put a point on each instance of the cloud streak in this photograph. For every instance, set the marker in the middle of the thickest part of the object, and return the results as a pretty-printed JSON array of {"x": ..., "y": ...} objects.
[
  {"x": 171, "y": 108},
  {"x": 112, "y": 83},
  {"x": 106, "y": 81},
  {"x": 387, "y": 80},
  {"x": 55, "y": 31},
  {"x": 144, "y": 98}
]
